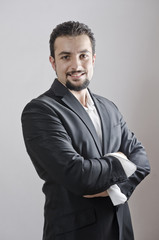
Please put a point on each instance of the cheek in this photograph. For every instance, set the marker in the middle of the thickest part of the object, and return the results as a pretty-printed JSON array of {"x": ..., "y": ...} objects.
[
  {"x": 86, "y": 64},
  {"x": 60, "y": 69},
  {"x": 90, "y": 67}
]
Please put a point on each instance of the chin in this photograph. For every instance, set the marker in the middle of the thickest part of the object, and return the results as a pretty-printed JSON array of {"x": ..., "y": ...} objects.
[{"x": 77, "y": 87}]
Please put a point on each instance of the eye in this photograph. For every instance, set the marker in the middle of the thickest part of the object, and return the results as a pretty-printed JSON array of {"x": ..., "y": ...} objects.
[
  {"x": 65, "y": 57},
  {"x": 83, "y": 56}
]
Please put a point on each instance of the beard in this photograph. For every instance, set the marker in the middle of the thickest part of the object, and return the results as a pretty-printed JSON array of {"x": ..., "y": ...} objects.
[{"x": 73, "y": 87}]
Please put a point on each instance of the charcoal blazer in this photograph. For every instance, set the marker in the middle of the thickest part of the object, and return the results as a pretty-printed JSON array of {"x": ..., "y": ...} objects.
[{"x": 64, "y": 147}]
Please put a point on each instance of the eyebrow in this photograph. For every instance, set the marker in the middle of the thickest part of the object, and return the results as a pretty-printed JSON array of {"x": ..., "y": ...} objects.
[
  {"x": 69, "y": 53},
  {"x": 63, "y": 53}
]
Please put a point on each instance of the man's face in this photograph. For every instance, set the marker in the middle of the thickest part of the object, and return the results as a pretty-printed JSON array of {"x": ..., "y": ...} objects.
[{"x": 73, "y": 61}]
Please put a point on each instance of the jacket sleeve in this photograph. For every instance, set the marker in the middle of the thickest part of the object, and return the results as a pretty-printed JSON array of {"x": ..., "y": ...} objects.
[
  {"x": 136, "y": 153},
  {"x": 51, "y": 151}
]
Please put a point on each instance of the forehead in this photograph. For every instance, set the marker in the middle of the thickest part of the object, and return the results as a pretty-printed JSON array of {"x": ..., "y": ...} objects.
[{"x": 72, "y": 44}]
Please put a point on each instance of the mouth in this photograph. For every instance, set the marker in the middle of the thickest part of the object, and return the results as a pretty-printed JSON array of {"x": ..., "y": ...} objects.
[{"x": 76, "y": 75}]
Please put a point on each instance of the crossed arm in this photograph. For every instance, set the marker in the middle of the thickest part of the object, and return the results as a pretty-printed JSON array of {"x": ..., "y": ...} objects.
[{"x": 104, "y": 193}]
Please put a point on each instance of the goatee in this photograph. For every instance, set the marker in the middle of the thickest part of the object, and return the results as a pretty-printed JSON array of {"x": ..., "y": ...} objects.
[{"x": 73, "y": 87}]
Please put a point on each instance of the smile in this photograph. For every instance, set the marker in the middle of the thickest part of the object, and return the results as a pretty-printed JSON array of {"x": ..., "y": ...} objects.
[{"x": 75, "y": 74}]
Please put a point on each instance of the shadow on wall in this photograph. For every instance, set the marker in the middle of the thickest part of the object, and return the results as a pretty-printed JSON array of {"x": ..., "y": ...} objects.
[{"x": 144, "y": 203}]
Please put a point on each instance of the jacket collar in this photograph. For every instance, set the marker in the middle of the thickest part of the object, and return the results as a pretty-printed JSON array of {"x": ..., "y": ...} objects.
[{"x": 58, "y": 88}]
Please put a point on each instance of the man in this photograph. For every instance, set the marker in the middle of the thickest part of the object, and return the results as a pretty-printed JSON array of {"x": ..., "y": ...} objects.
[{"x": 78, "y": 143}]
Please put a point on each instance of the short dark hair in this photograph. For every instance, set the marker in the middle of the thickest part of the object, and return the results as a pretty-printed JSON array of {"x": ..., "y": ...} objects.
[{"x": 70, "y": 28}]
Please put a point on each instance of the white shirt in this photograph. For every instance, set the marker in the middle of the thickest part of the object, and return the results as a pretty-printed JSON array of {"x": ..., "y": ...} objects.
[{"x": 115, "y": 194}]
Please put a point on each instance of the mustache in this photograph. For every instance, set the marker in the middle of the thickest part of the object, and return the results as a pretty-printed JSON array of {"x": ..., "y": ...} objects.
[{"x": 73, "y": 72}]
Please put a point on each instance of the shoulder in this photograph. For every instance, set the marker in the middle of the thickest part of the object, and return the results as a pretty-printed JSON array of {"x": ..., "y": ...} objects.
[
  {"x": 104, "y": 101},
  {"x": 107, "y": 108},
  {"x": 37, "y": 105}
]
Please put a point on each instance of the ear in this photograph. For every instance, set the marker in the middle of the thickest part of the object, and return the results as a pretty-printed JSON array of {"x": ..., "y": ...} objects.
[
  {"x": 94, "y": 58},
  {"x": 52, "y": 61}
]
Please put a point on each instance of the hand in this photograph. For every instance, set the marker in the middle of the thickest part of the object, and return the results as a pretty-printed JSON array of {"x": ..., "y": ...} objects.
[{"x": 102, "y": 194}]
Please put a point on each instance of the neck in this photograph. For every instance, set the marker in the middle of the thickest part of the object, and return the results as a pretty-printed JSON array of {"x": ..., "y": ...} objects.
[{"x": 80, "y": 95}]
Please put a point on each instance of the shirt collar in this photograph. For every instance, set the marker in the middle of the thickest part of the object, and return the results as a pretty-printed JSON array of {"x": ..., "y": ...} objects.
[{"x": 89, "y": 102}]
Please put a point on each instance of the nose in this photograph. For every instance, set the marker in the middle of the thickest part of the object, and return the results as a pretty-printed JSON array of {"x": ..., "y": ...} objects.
[{"x": 75, "y": 64}]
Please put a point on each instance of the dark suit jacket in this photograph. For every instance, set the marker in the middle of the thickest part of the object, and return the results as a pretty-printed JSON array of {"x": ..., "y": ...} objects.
[{"x": 66, "y": 152}]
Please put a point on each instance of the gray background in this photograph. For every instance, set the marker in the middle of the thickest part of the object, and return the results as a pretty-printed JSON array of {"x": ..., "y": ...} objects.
[{"x": 126, "y": 71}]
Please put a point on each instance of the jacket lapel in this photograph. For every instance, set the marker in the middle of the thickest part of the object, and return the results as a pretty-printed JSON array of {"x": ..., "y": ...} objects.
[
  {"x": 77, "y": 108},
  {"x": 72, "y": 103},
  {"x": 105, "y": 120}
]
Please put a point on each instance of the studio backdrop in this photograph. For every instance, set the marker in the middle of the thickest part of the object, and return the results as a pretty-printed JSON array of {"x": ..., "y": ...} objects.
[{"x": 126, "y": 72}]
